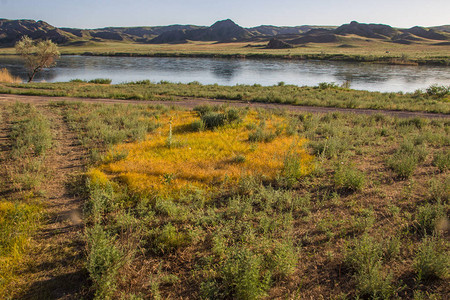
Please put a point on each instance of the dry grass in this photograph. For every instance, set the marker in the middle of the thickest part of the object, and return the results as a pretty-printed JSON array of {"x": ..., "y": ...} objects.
[{"x": 5, "y": 76}]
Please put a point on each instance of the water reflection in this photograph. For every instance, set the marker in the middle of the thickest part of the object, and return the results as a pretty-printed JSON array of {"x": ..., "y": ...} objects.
[
  {"x": 371, "y": 77},
  {"x": 225, "y": 70}
]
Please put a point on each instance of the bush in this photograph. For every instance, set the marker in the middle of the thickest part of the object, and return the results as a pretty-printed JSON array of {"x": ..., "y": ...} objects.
[
  {"x": 417, "y": 122},
  {"x": 432, "y": 260},
  {"x": 442, "y": 160},
  {"x": 103, "y": 262},
  {"x": 438, "y": 91},
  {"x": 346, "y": 177},
  {"x": 100, "y": 81},
  {"x": 327, "y": 85},
  {"x": 428, "y": 217},
  {"x": 440, "y": 190},
  {"x": 240, "y": 278},
  {"x": 212, "y": 119},
  {"x": 365, "y": 258},
  {"x": 406, "y": 159},
  {"x": 169, "y": 239},
  {"x": 261, "y": 135}
]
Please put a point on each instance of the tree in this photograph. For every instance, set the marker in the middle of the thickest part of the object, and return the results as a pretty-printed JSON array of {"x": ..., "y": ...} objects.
[{"x": 37, "y": 55}]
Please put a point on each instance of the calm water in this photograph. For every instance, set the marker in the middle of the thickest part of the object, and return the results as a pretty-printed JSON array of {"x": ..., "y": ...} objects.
[{"x": 370, "y": 77}]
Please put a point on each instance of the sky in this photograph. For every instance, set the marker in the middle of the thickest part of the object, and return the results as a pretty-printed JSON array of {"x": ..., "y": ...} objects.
[{"x": 247, "y": 13}]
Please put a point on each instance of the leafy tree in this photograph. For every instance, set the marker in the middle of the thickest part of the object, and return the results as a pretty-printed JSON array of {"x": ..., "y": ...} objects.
[{"x": 37, "y": 55}]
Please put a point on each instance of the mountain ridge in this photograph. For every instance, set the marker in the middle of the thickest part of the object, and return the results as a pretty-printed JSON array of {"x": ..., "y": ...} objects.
[{"x": 221, "y": 31}]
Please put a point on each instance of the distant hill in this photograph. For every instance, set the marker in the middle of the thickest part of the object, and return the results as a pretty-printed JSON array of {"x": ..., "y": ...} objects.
[
  {"x": 367, "y": 32},
  {"x": 377, "y": 31},
  {"x": 221, "y": 31},
  {"x": 12, "y": 31}
]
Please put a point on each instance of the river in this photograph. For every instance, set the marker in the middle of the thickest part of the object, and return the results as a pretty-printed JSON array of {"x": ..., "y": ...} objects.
[{"x": 362, "y": 76}]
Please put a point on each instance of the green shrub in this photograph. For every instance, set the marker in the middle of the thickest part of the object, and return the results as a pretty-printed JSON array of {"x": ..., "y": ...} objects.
[
  {"x": 100, "y": 81},
  {"x": 261, "y": 135},
  {"x": 442, "y": 160},
  {"x": 406, "y": 159},
  {"x": 238, "y": 159},
  {"x": 417, "y": 122},
  {"x": 213, "y": 120},
  {"x": 347, "y": 177},
  {"x": 239, "y": 278},
  {"x": 103, "y": 262},
  {"x": 432, "y": 259},
  {"x": 204, "y": 109},
  {"x": 282, "y": 260},
  {"x": 438, "y": 91},
  {"x": 31, "y": 134},
  {"x": 365, "y": 258},
  {"x": 197, "y": 126},
  {"x": 329, "y": 147},
  {"x": 440, "y": 190},
  {"x": 428, "y": 217},
  {"x": 293, "y": 169},
  {"x": 169, "y": 239},
  {"x": 403, "y": 166},
  {"x": 327, "y": 85}
]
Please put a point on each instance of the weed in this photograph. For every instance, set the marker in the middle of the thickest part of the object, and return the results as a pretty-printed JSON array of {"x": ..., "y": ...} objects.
[
  {"x": 169, "y": 239},
  {"x": 439, "y": 190},
  {"x": 240, "y": 278},
  {"x": 260, "y": 135},
  {"x": 365, "y": 258},
  {"x": 428, "y": 217},
  {"x": 103, "y": 262},
  {"x": 406, "y": 159},
  {"x": 441, "y": 160},
  {"x": 348, "y": 178},
  {"x": 100, "y": 81},
  {"x": 432, "y": 260},
  {"x": 438, "y": 91}
]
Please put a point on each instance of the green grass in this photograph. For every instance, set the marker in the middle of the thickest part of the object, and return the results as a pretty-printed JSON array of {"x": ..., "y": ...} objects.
[
  {"x": 287, "y": 94},
  {"x": 21, "y": 211}
]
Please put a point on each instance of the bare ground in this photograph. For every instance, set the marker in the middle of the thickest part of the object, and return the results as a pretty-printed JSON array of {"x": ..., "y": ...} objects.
[
  {"x": 53, "y": 267},
  {"x": 192, "y": 102}
]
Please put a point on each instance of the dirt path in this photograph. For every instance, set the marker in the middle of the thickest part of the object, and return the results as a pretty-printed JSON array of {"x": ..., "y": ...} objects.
[
  {"x": 192, "y": 102},
  {"x": 53, "y": 267}
]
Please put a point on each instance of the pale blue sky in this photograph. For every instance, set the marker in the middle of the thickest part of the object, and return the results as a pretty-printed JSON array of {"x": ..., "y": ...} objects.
[{"x": 247, "y": 13}]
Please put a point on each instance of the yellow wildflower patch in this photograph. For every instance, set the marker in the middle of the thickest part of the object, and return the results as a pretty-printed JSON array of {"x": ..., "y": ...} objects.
[{"x": 205, "y": 159}]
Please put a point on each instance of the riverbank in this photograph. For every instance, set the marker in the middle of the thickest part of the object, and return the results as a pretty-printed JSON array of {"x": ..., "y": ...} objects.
[
  {"x": 354, "y": 51},
  {"x": 389, "y": 60},
  {"x": 323, "y": 95}
]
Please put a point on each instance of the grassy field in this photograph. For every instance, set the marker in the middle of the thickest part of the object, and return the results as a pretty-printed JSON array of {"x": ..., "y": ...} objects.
[
  {"x": 24, "y": 169},
  {"x": 434, "y": 99},
  {"x": 223, "y": 203},
  {"x": 236, "y": 203},
  {"x": 349, "y": 49}
]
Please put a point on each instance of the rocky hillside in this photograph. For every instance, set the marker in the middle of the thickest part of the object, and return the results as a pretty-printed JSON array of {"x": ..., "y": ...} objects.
[
  {"x": 12, "y": 30},
  {"x": 360, "y": 31},
  {"x": 222, "y": 31}
]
